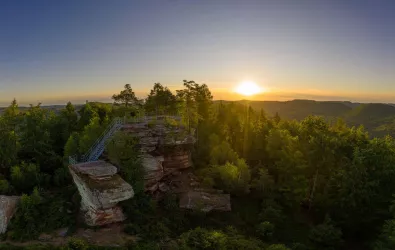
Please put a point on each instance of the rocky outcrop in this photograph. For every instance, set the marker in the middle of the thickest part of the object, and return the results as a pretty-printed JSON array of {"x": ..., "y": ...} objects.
[
  {"x": 100, "y": 189},
  {"x": 164, "y": 148},
  {"x": 8, "y": 205},
  {"x": 205, "y": 200}
]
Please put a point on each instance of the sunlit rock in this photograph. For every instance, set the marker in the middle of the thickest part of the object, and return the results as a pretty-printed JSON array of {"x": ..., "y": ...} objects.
[{"x": 100, "y": 189}]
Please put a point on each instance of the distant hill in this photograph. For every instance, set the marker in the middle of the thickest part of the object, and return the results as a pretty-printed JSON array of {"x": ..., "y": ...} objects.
[
  {"x": 377, "y": 118},
  {"x": 54, "y": 108}
]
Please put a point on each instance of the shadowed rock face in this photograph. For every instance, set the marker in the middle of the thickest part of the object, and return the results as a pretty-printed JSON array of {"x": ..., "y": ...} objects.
[
  {"x": 100, "y": 189},
  {"x": 8, "y": 205},
  {"x": 164, "y": 149}
]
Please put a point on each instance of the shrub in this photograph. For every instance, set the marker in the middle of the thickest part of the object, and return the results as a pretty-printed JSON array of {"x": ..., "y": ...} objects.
[
  {"x": 170, "y": 122},
  {"x": 277, "y": 247},
  {"x": 386, "y": 240},
  {"x": 25, "y": 177},
  {"x": 37, "y": 214},
  {"x": 200, "y": 238},
  {"x": 4, "y": 187},
  {"x": 265, "y": 230},
  {"x": 77, "y": 244},
  {"x": 233, "y": 178},
  {"x": 62, "y": 177}
]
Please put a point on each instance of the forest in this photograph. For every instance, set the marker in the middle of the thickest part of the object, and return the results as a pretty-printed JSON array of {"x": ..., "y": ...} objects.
[{"x": 306, "y": 184}]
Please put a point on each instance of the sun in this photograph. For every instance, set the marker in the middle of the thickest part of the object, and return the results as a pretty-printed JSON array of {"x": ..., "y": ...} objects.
[{"x": 248, "y": 88}]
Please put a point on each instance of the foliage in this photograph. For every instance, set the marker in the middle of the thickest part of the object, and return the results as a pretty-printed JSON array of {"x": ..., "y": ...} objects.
[
  {"x": 126, "y": 97},
  {"x": 160, "y": 101},
  {"x": 277, "y": 247},
  {"x": 5, "y": 187},
  {"x": 200, "y": 238},
  {"x": 25, "y": 177},
  {"x": 265, "y": 230},
  {"x": 194, "y": 103},
  {"x": 233, "y": 178},
  {"x": 386, "y": 239},
  {"x": 37, "y": 214},
  {"x": 77, "y": 244},
  {"x": 122, "y": 152},
  {"x": 326, "y": 236},
  {"x": 283, "y": 175}
]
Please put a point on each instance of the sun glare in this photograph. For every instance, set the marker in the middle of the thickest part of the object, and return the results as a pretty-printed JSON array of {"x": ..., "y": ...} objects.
[{"x": 248, "y": 88}]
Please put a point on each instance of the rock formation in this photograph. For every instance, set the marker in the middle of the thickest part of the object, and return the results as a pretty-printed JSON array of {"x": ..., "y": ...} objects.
[
  {"x": 8, "y": 205},
  {"x": 164, "y": 148},
  {"x": 100, "y": 189}
]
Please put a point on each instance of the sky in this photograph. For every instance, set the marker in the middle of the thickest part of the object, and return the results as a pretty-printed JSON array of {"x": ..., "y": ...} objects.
[{"x": 56, "y": 51}]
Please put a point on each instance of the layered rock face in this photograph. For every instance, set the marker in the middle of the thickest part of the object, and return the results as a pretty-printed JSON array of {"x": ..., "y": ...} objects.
[
  {"x": 8, "y": 205},
  {"x": 164, "y": 149},
  {"x": 100, "y": 189}
]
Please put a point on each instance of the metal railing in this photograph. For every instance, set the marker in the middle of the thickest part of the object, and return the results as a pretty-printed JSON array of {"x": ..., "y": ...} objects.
[
  {"x": 111, "y": 129},
  {"x": 98, "y": 146}
]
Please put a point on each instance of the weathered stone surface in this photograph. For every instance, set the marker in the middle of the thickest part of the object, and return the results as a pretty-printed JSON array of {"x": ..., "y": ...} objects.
[
  {"x": 153, "y": 171},
  {"x": 96, "y": 169},
  {"x": 98, "y": 217},
  {"x": 99, "y": 197},
  {"x": 169, "y": 142},
  {"x": 205, "y": 201},
  {"x": 8, "y": 205},
  {"x": 177, "y": 160}
]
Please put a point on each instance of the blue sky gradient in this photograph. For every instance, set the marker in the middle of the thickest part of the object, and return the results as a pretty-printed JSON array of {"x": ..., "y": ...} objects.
[{"x": 55, "y": 51}]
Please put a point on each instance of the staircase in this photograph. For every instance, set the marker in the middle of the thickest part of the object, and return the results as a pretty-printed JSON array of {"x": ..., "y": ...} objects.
[{"x": 97, "y": 148}]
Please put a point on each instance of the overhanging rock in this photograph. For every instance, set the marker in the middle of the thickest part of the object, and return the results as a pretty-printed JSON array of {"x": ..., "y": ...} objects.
[{"x": 100, "y": 189}]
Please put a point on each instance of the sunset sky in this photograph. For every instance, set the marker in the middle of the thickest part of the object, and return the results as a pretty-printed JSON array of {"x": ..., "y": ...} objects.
[{"x": 55, "y": 51}]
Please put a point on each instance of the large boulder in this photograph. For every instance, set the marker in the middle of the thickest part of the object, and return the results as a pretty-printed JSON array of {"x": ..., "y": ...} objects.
[
  {"x": 100, "y": 189},
  {"x": 8, "y": 205}
]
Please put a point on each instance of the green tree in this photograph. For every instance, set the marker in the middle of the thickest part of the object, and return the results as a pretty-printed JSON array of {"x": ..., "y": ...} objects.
[
  {"x": 36, "y": 142},
  {"x": 69, "y": 114},
  {"x": 126, "y": 97},
  {"x": 194, "y": 103},
  {"x": 25, "y": 177},
  {"x": 87, "y": 113},
  {"x": 160, "y": 100},
  {"x": 124, "y": 154},
  {"x": 9, "y": 146},
  {"x": 326, "y": 236}
]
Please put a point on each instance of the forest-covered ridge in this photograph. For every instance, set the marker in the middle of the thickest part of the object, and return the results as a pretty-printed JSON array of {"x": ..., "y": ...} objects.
[
  {"x": 305, "y": 184},
  {"x": 377, "y": 118}
]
